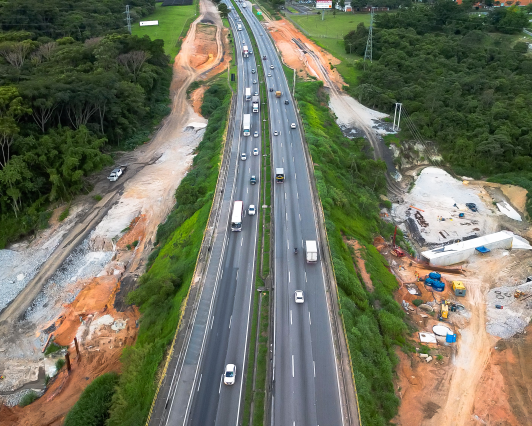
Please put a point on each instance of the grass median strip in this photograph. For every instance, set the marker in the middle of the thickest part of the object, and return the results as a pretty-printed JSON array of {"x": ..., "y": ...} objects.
[{"x": 253, "y": 411}]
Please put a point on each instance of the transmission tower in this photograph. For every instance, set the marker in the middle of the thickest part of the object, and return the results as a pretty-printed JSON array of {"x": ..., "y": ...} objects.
[
  {"x": 369, "y": 45},
  {"x": 128, "y": 18}
]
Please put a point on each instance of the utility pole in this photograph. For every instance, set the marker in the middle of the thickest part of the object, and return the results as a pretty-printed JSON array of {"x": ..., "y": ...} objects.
[
  {"x": 128, "y": 19},
  {"x": 369, "y": 45},
  {"x": 397, "y": 116}
]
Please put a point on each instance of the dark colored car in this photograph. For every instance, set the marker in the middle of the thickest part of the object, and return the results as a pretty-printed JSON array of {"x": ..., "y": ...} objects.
[{"x": 472, "y": 207}]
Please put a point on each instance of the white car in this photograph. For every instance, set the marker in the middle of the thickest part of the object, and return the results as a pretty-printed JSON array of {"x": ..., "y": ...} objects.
[
  {"x": 251, "y": 210},
  {"x": 271, "y": 67},
  {"x": 293, "y": 125},
  {"x": 276, "y": 133},
  {"x": 254, "y": 81},
  {"x": 115, "y": 174},
  {"x": 269, "y": 75},
  {"x": 256, "y": 94},
  {"x": 230, "y": 374},
  {"x": 256, "y": 134},
  {"x": 243, "y": 156},
  {"x": 299, "y": 296},
  {"x": 255, "y": 151}
]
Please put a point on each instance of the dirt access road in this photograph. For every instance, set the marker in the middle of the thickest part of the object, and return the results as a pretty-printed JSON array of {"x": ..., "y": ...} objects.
[{"x": 63, "y": 292}]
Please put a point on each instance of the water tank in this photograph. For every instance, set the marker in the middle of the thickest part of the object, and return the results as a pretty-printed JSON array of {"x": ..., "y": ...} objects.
[{"x": 435, "y": 275}]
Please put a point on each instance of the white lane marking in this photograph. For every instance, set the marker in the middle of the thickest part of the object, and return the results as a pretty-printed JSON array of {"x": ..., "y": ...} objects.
[
  {"x": 230, "y": 320},
  {"x": 241, "y": 242},
  {"x": 286, "y": 214},
  {"x": 297, "y": 193},
  {"x": 221, "y": 380},
  {"x": 295, "y": 175},
  {"x": 300, "y": 217},
  {"x": 212, "y": 321},
  {"x": 287, "y": 245},
  {"x": 290, "y": 316},
  {"x": 293, "y": 159},
  {"x": 285, "y": 195},
  {"x": 309, "y": 321},
  {"x": 305, "y": 276},
  {"x": 247, "y": 191},
  {"x": 199, "y": 383},
  {"x": 292, "y": 365},
  {"x": 283, "y": 157},
  {"x": 288, "y": 276},
  {"x": 237, "y": 272},
  {"x": 314, "y": 365}
]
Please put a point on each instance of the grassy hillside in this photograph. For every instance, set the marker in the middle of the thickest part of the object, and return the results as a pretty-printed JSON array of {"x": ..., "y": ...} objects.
[{"x": 349, "y": 185}]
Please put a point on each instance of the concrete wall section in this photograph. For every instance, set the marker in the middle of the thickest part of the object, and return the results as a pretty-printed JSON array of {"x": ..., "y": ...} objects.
[{"x": 459, "y": 252}]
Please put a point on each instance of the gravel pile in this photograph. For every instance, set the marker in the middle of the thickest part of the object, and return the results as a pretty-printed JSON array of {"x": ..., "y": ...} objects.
[
  {"x": 515, "y": 314},
  {"x": 14, "y": 399},
  {"x": 82, "y": 263}
]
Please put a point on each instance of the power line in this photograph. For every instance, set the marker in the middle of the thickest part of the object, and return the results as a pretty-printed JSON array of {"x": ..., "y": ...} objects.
[
  {"x": 128, "y": 18},
  {"x": 368, "y": 54}
]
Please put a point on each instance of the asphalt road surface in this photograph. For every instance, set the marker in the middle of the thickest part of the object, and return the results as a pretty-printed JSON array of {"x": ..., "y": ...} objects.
[{"x": 306, "y": 390}]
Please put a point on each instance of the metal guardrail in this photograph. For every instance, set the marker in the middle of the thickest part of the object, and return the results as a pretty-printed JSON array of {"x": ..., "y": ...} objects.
[{"x": 204, "y": 252}]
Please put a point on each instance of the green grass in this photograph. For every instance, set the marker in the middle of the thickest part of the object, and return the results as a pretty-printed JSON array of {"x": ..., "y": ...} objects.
[
  {"x": 92, "y": 408},
  {"x": 59, "y": 364},
  {"x": 52, "y": 348},
  {"x": 291, "y": 9},
  {"x": 173, "y": 23},
  {"x": 262, "y": 362},
  {"x": 392, "y": 139},
  {"x": 27, "y": 399},
  {"x": 64, "y": 214},
  {"x": 233, "y": 69},
  {"x": 97, "y": 197}
]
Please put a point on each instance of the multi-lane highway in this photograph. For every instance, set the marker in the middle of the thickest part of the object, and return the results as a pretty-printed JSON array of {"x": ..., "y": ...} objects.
[
  {"x": 305, "y": 380},
  {"x": 306, "y": 390}
]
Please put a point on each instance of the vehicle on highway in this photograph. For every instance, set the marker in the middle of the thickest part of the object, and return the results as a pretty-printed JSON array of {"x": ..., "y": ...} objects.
[
  {"x": 253, "y": 180},
  {"x": 251, "y": 210},
  {"x": 312, "y": 251},
  {"x": 286, "y": 102},
  {"x": 248, "y": 93},
  {"x": 271, "y": 67},
  {"x": 269, "y": 74},
  {"x": 278, "y": 94},
  {"x": 279, "y": 175},
  {"x": 239, "y": 27},
  {"x": 256, "y": 134},
  {"x": 250, "y": 52},
  {"x": 255, "y": 151},
  {"x": 299, "y": 296},
  {"x": 246, "y": 125},
  {"x": 271, "y": 89},
  {"x": 230, "y": 374},
  {"x": 256, "y": 94},
  {"x": 253, "y": 71},
  {"x": 276, "y": 133},
  {"x": 254, "y": 81},
  {"x": 293, "y": 125},
  {"x": 264, "y": 57},
  {"x": 243, "y": 156},
  {"x": 116, "y": 173},
  {"x": 236, "y": 218}
]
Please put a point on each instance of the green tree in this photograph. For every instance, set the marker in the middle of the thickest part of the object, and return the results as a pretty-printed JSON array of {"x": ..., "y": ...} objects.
[
  {"x": 12, "y": 108},
  {"x": 224, "y": 11}
]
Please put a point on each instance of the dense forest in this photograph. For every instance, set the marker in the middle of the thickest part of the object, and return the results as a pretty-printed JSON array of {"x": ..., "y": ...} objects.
[
  {"x": 66, "y": 101},
  {"x": 464, "y": 79}
]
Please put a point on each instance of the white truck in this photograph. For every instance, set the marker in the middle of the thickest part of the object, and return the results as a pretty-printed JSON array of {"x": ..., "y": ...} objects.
[
  {"x": 244, "y": 4},
  {"x": 255, "y": 101},
  {"x": 246, "y": 124},
  {"x": 279, "y": 175},
  {"x": 245, "y": 50},
  {"x": 248, "y": 93},
  {"x": 239, "y": 27},
  {"x": 311, "y": 249}
]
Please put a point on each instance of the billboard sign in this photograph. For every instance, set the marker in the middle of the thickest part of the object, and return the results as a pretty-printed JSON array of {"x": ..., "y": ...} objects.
[
  {"x": 324, "y": 4},
  {"x": 148, "y": 23}
]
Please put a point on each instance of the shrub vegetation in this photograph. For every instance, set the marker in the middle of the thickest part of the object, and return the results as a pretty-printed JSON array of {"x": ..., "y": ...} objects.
[{"x": 92, "y": 408}]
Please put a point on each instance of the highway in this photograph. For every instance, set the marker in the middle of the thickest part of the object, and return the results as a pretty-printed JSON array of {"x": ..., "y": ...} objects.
[
  {"x": 306, "y": 390},
  {"x": 305, "y": 380},
  {"x": 222, "y": 323}
]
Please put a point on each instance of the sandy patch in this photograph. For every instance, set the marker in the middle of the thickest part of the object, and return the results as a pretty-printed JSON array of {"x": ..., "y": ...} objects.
[{"x": 196, "y": 97}]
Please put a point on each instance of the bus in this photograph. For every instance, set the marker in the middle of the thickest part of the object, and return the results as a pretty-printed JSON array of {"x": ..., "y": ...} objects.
[{"x": 236, "y": 219}]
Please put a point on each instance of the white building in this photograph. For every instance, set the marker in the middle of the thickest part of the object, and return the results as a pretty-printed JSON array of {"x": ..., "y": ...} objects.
[
  {"x": 456, "y": 253},
  {"x": 347, "y": 7}
]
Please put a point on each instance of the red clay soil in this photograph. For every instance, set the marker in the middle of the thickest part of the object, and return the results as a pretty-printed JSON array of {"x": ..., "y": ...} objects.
[
  {"x": 360, "y": 263},
  {"x": 100, "y": 350},
  {"x": 196, "y": 97}
]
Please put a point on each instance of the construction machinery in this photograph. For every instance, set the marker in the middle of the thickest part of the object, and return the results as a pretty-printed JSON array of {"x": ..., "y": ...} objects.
[
  {"x": 459, "y": 288},
  {"x": 444, "y": 313},
  {"x": 396, "y": 251}
]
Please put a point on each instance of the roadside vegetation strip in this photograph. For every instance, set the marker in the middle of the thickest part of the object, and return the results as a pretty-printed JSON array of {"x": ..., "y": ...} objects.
[
  {"x": 349, "y": 185},
  {"x": 233, "y": 68},
  {"x": 163, "y": 288},
  {"x": 174, "y": 23}
]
